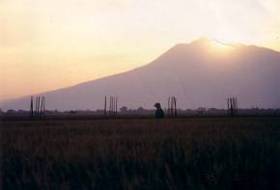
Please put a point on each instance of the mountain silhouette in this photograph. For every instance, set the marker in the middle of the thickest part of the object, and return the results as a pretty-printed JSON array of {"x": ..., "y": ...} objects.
[{"x": 195, "y": 73}]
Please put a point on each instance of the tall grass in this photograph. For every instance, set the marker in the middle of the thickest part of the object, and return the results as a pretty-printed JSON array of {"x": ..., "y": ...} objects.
[{"x": 142, "y": 154}]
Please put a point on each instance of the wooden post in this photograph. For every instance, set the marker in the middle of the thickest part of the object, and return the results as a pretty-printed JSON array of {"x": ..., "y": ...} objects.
[
  {"x": 42, "y": 106},
  {"x": 36, "y": 106},
  {"x": 175, "y": 106},
  {"x": 116, "y": 109},
  {"x": 169, "y": 107},
  {"x": 39, "y": 105},
  {"x": 105, "y": 106},
  {"x": 31, "y": 107},
  {"x": 112, "y": 105}
]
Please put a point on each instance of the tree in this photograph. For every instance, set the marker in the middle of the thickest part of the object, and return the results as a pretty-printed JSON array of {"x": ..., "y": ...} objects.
[{"x": 124, "y": 109}]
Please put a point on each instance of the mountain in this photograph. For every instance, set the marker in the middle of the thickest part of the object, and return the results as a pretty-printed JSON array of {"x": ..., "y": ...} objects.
[{"x": 202, "y": 73}]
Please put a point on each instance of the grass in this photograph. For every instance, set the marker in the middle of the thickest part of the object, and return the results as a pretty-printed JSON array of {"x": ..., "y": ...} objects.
[{"x": 205, "y": 153}]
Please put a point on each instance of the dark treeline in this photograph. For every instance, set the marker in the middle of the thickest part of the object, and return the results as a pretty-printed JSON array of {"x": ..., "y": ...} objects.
[{"x": 124, "y": 112}]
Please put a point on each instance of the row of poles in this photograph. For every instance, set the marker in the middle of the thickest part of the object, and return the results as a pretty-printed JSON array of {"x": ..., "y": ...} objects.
[
  {"x": 232, "y": 106},
  {"x": 111, "y": 106},
  {"x": 37, "y": 106},
  {"x": 172, "y": 107},
  {"x": 111, "y": 109}
]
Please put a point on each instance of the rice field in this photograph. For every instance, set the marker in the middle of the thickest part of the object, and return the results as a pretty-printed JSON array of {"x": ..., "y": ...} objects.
[{"x": 194, "y": 153}]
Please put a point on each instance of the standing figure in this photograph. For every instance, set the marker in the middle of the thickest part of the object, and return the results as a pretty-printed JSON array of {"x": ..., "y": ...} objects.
[{"x": 159, "y": 114}]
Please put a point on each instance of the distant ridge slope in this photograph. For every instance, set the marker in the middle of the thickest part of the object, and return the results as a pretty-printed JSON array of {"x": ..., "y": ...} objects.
[{"x": 193, "y": 73}]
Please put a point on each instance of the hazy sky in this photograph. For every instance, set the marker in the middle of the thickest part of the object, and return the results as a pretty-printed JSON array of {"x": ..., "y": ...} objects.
[{"x": 48, "y": 44}]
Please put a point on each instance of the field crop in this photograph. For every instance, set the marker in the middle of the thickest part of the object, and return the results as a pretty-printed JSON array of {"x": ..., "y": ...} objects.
[{"x": 197, "y": 153}]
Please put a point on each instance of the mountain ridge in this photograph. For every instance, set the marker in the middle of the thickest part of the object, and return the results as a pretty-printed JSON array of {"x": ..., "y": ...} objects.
[{"x": 196, "y": 77}]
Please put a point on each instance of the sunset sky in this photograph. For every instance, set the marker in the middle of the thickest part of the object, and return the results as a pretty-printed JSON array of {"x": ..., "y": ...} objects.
[{"x": 49, "y": 44}]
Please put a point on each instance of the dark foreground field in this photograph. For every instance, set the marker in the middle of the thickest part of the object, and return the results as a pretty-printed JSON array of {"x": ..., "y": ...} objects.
[{"x": 217, "y": 153}]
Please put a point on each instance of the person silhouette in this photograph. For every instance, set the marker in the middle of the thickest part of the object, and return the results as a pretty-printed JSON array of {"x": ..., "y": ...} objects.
[{"x": 159, "y": 113}]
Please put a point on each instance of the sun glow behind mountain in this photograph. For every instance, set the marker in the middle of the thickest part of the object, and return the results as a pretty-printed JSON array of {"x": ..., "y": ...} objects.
[
  {"x": 46, "y": 45},
  {"x": 220, "y": 48},
  {"x": 215, "y": 47}
]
